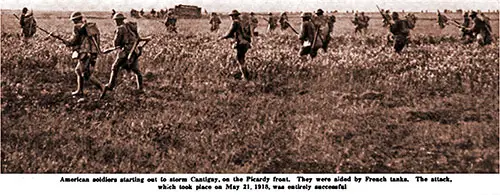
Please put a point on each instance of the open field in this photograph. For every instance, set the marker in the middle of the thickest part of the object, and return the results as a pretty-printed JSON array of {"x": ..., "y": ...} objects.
[{"x": 356, "y": 108}]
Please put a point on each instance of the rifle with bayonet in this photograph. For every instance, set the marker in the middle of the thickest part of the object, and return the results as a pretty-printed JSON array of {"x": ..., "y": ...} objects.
[{"x": 384, "y": 16}]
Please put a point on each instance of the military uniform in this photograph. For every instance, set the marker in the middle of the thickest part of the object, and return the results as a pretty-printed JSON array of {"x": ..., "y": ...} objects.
[
  {"x": 400, "y": 30},
  {"x": 387, "y": 19},
  {"x": 481, "y": 30},
  {"x": 361, "y": 22},
  {"x": 215, "y": 21},
  {"x": 85, "y": 42},
  {"x": 442, "y": 20},
  {"x": 306, "y": 36},
  {"x": 126, "y": 36},
  {"x": 241, "y": 33},
  {"x": 272, "y": 23},
  {"x": 254, "y": 22},
  {"x": 283, "y": 21},
  {"x": 467, "y": 24},
  {"x": 324, "y": 25},
  {"x": 28, "y": 24},
  {"x": 170, "y": 22}
]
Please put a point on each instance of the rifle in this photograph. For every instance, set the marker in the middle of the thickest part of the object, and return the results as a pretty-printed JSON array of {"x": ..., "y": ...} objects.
[
  {"x": 293, "y": 29},
  {"x": 45, "y": 31},
  {"x": 315, "y": 37},
  {"x": 384, "y": 16},
  {"x": 136, "y": 43}
]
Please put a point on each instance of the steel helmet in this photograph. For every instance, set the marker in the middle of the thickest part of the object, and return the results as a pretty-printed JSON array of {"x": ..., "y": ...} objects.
[
  {"x": 76, "y": 15},
  {"x": 119, "y": 16}
]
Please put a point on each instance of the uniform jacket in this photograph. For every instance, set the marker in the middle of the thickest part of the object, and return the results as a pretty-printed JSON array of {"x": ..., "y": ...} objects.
[
  {"x": 81, "y": 41},
  {"x": 125, "y": 37},
  {"x": 307, "y": 32},
  {"x": 239, "y": 32},
  {"x": 400, "y": 28}
]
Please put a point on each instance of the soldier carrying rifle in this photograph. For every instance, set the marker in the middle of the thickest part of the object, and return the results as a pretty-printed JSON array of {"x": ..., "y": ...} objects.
[
  {"x": 28, "y": 23},
  {"x": 283, "y": 21},
  {"x": 324, "y": 26},
  {"x": 481, "y": 29},
  {"x": 85, "y": 42},
  {"x": 215, "y": 21},
  {"x": 309, "y": 36},
  {"x": 127, "y": 41},
  {"x": 254, "y": 22},
  {"x": 170, "y": 22},
  {"x": 241, "y": 32},
  {"x": 442, "y": 20},
  {"x": 272, "y": 22},
  {"x": 361, "y": 23}
]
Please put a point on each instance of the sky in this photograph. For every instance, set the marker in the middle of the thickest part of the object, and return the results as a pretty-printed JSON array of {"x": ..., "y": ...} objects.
[{"x": 252, "y": 5}]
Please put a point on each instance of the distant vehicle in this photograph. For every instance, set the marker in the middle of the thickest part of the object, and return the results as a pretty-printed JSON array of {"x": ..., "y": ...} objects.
[{"x": 187, "y": 11}]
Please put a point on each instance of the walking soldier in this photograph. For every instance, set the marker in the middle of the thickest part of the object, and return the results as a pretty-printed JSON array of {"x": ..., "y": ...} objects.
[
  {"x": 308, "y": 36},
  {"x": 170, "y": 22},
  {"x": 324, "y": 26},
  {"x": 254, "y": 22},
  {"x": 85, "y": 42},
  {"x": 214, "y": 22},
  {"x": 283, "y": 21},
  {"x": 481, "y": 29},
  {"x": 242, "y": 35},
  {"x": 127, "y": 40},
  {"x": 272, "y": 22},
  {"x": 401, "y": 31},
  {"x": 442, "y": 20},
  {"x": 28, "y": 23}
]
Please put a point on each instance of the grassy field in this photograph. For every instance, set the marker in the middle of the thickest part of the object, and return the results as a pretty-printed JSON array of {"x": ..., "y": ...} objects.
[{"x": 356, "y": 108}]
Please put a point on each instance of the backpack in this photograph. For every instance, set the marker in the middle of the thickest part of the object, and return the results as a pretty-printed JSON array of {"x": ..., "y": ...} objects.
[{"x": 94, "y": 35}]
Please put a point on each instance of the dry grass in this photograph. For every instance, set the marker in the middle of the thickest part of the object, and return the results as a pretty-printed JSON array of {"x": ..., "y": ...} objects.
[{"x": 353, "y": 109}]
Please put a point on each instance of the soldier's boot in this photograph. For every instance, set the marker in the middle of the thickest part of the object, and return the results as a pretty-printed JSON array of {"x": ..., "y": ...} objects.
[
  {"x": 110, "y": 85},
  {"x": 138, "y": 77},
  {"x": 244, "y": 72},
  {"x": 79, "y": 87}
]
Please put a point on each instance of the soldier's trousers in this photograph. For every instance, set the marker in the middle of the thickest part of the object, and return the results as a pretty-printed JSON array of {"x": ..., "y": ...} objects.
[
  {"x": 400, "y": 42},
  {"x": 122, "y": 62},
  {"x": 241, "y": 50},
  {"x": 214, "y": 27},
  {"x": 84, "y": 69},
  {"x": 313, "y": 52}
]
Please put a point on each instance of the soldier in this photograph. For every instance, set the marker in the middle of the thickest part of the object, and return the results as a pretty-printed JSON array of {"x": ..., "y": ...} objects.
[
  {"x": 307, "y": 36},
  {"x": 387, "y": 19},
  {"x": 126, "y": 38},
  {"x": 141, "y": 13},
  {"x": 153, "y": 13},
  {"x": 322, "y": 25},
  {"x": 170, "y": 22},
  {"x": 215, "y": 22},
  {"x": 85, "y": 42},
  {"x": 113, "y": 12},
  {"x": 28, "y": 23},
  {"x": 401, "y": 31},
  {"x": 467, "y": 36},
  {"x": 272, "y": 23},
  {"x": 361, "y": 23},
  {"x": 442, "y": 20},
  {"x": 162, "y": 13},
  {"x": 242, "y": 35},
  {"x": 481, "y": 30},
  {"x": 283, "y": 21},
  {"x": 254, "y": 22}
]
